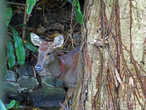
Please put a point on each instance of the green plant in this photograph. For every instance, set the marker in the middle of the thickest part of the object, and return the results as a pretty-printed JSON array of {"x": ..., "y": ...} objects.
[
  {"x": 10, "y": 54},
  {"x": 19, "y": 47},
  {"x": 13, "y": 104},
  {"x": 15, "y": 46},
  {"x": 77, "y": 10},
  {"x": 75, "y": 4},
  {"x": 78, "y": 13},
  {"x": 30, "y": 5}
]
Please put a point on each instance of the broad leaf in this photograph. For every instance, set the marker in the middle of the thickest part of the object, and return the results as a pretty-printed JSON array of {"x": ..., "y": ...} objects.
[
  {"x": 19, "y": 48},
  {"x": 78, "y": 13},
  {"x": 11, "y": 56},
  {"x": 78, "y": 16},
  {"x": 11, "y": 104},
  {"x": 30, "y": 5},
  {"x": 30, "y": 47},
  {"x": 77, "y": 10}
]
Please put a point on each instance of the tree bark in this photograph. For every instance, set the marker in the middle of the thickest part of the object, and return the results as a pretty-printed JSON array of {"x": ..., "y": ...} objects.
[
  {"x": 114, "y": 57},
  {"x": 3, "y": 41}
]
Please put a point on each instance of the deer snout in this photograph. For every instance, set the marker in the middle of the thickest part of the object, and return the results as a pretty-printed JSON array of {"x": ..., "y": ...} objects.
[{"x": 38, "y": 68}]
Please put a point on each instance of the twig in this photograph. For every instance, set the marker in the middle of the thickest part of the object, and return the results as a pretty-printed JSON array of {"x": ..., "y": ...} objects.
[
  {"x": 14, "y": 3},
  {"x": 34, "y": 72},
  {"x": 63, "y": 106},
  {"x": 24, "y": 22}
]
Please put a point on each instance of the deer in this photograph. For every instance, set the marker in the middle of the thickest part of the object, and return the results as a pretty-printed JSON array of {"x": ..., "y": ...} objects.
[{"x": 65, "y": 67}]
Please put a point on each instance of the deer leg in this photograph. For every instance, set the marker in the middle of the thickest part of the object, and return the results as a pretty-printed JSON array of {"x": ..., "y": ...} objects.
[{"x": 69, "y": 95}]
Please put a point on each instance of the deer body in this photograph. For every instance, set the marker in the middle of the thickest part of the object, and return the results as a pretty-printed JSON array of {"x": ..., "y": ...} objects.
[{"x": 64, "y": 67}]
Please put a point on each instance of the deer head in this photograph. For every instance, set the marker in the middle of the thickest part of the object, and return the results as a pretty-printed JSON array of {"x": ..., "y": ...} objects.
[{"x": 46, "y": 49}]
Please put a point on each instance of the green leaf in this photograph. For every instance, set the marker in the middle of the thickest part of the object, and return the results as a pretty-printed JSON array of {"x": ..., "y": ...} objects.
[
  {"x": 78, "y": 16},
  {"x": 77, "y": 10},
  {"x": 16, "y": 105},
  {"x": 30, "y": 47},
  {"x": 19, "y": 48},
  {"x": 11, "y": 104},
  {"x": 30, "y": 5},
  {"x": 78, "y": 13},
  {"x": 11, "y": 56},
  {"x": 8, "y": 15},
  {"x": 2, "y": 106}
]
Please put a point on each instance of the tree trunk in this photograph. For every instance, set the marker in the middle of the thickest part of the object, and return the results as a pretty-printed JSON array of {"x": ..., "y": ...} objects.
[
  {"x": 114, "y": 56},
  {"x": 3, "y": 38}
]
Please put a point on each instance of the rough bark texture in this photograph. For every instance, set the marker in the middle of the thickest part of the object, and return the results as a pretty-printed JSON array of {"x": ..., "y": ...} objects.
[
  {"x": 114, "y": 57},
  {"x": 2, "y": 45}
]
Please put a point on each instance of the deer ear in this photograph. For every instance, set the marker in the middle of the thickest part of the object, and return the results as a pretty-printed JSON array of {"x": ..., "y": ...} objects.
[
  {"x": 58, "y": 41},
  {"x": 35, "y": 39}
]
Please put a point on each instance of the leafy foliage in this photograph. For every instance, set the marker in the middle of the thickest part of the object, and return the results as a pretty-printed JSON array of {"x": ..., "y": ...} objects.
[
  {"x": 18, "y": 44},
  {"x": 11, "y": 55},
  {"x": 30, "y": 47},
  {"x": 20, "y": 51},
  {"x": 78, "y": 13},
  {"x": 77, "y": 10},
  {"x": 12, "y": 104},
  {"x": 30, "y": 5},
  {"x": 75, "y": 3}
]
